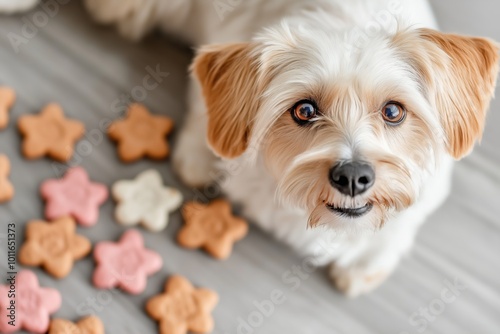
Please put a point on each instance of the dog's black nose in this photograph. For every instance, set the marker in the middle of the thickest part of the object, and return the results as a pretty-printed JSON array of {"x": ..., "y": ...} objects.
[{"x": 352, "y": 178}]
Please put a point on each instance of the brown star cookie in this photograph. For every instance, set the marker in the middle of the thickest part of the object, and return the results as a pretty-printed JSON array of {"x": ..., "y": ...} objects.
[
  {"x": 182, "y": 308},
  {"x": 88, "y": 325},
  {"x": 212, "y": 227},
  {"x": 54, "y": 246},
  {"x": 50, "y": 133},
  {"x": 7, "y": 99},
  {"x": 6, "y": 188},
  {"x": 141, "y": 134}
]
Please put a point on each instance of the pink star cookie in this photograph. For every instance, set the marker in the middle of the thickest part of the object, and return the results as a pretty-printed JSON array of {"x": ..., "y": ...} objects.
[
  {"x": 33, "y": 305},
  {"x": 74, "y": 195},
  {"x": 125, "y": 264}
]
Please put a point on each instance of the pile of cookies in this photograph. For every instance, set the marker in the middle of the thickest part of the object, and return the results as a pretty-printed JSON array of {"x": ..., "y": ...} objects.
[{"x": 74, "y": 200}]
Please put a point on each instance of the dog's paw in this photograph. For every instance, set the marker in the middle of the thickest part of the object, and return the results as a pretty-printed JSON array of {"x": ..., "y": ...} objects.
[
  {"x": 110, "y": 11},
  {"x": 356, "y": 281},
  {"x": 193, "y": 164},
  {"x": 15, "y": 6},
  {"x": 134, "y": 18}
]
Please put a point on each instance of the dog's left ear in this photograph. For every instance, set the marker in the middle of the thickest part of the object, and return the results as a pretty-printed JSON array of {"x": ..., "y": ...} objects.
[
  {"x": 462, "y": 72},
  {"x": 228, "y": 75}
]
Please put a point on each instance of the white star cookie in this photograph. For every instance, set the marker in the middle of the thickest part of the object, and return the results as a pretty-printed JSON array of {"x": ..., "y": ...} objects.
[{"x": 145, "y": 200}]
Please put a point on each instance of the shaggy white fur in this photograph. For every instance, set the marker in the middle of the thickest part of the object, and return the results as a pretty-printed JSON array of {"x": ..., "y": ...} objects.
[
  {"x": 350, "y": 58},
  {"x": 351, "y": 64}
]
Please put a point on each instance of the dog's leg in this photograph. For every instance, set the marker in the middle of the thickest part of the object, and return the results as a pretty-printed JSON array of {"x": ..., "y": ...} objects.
[
  {"x": 186, "y": 20},
  {"x": 135, "y": 18},
  {"x": 14, "y": 6},
  {"x": 193, "y": 160},
  {"x": 368, "y": 263}
]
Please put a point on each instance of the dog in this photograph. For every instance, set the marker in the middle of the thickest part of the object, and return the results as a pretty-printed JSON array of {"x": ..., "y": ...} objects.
[{"x": 333, "y": 123}]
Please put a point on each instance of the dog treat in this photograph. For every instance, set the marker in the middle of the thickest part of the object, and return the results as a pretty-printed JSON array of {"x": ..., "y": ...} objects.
[
  {"x": 212, "y": 227},
  {"x": 33, "y": 304},
  {"x": 145, "y": 200},
  {"x": 141, "y": 134},
  {"x": 125, "y": 264},
  {"x": 88, "y": 325},
  {"x": 6, "y": 188},
  {"x": 50, "y": 134},
  {"x": 54, "y": 246},
  {"x": 182, "y": 308},
  {"x": 74, "y": 195},
  {"x": 7, "y": 99}
]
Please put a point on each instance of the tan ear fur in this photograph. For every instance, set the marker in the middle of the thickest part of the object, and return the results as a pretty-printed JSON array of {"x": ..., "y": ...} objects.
[
  {"x": 229, "y": 80},
  {"x": 468, "y": 83}
]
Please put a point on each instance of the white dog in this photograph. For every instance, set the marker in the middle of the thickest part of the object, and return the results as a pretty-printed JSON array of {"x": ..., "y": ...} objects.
[{"x": 342, "y": 116}]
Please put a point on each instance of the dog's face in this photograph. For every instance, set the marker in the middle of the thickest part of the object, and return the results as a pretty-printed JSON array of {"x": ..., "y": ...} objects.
[{"x": 349, "y": 136}]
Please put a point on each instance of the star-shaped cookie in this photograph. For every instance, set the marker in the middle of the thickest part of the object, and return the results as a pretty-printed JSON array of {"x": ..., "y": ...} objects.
[
  {"x": 141, "y": 134},
  {"x": 212, "y": 227},
  {"x": 125, "y": 264},
  {"x": 6, "y": 188},
  {"x": 33, "y": 304},
  {"x": 145, "y": 200},
  {"x": 50, "y": 134},
  {"x": 182, "y": 308},
  {"x": 74, "y": 195},
  {"x": 54, "y": 246},
  {"x": 7, "y": 99},
  {"x": 88, "y": 325}
]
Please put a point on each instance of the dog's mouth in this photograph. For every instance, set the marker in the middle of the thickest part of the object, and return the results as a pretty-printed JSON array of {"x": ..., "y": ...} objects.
[{"x": 350, "y": 212}]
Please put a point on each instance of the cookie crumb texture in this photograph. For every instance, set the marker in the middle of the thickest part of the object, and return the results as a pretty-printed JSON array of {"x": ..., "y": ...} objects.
[
  {"x": 7, "y": 100},
  {"x": 125, "y": 264},
  {"x": 141, "y": 134},
  {"x": 50, "y": 134},
  {"x": 211, "y": 227},
  {"x": 55, "y": 246},
  {"x": 34, "y": 305},
  {"x": 145, "y": 200},
  {"x": 74, "y": 195},
  {"x": 6, "y": 187},
  {"x": 88, "y": 325},
  {"x": 183, "y": 308}
]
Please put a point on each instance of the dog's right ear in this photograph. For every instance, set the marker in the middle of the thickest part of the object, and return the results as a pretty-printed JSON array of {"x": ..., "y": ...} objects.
[{"x": 228, "y": 74}]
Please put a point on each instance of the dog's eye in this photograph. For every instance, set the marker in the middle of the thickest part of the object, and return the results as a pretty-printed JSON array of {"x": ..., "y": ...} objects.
[
  {"x": 394, "y": 113},
  {"x": 304, "y": 111}
]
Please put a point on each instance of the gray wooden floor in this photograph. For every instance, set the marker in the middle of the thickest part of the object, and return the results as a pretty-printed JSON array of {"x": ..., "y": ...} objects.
[{"x": 87, "y": 68}]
